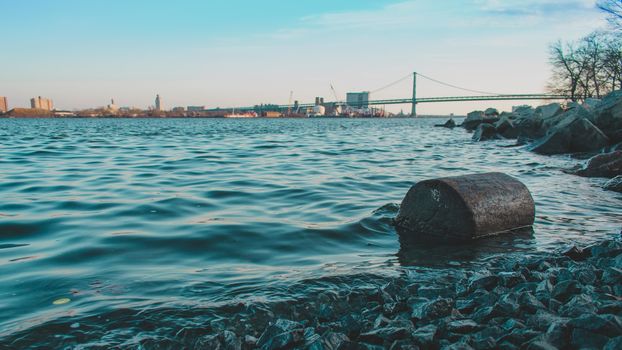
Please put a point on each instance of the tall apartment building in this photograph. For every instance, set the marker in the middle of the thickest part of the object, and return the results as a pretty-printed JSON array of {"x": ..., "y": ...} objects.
[
  {"x": 158, "y": 103},
  {"x": 4, "y": 105},
  {"x": 41, "y": 103}
]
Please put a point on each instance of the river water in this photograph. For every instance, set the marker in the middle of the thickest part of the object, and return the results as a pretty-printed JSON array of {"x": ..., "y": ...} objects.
[{"x": 102, "y": 221}]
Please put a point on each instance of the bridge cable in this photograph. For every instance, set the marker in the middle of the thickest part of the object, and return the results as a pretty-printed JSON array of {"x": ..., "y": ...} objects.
[
  {"x": 456, "y": 87},
  {"x": 392, "y": 84}
]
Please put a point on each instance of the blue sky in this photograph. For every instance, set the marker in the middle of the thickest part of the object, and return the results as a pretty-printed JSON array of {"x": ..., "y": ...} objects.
[{"x": 221, "y": 53}]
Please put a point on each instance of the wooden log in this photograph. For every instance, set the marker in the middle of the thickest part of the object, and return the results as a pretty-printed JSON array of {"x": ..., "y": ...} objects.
[{"x": 465, "y": 208}]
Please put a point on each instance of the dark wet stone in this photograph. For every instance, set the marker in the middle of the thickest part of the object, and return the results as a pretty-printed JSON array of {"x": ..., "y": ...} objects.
[
  {"x": 462, "y": 326},
  {"x": 565, "y": 290},
  {"x": 485, "y": 132},
  {"x": 250, "y": 342},
  {"x": 424, "y": 336},
  {"x": 208, "y": 342},
  {"x": 390, "y": 334},
  {"x": 607, "y": 325},
  {"x": 448, "y": 124},
  {"x": 529, "y": 303},
  {"x": 577, "y": 254},
  {"x": 484, "y": 314},
  {"x": 578, "y": 306},
  {"x": 350, "y": 345},
  {"x": 607, "y": 249},
  {"x": 607, "y": 165},
  {"x": 558, "y": 334},
  {"x": 540, "y": 345},
  {"x": 460, "y": 345},
  {"x": 555, "y": 305},
  {"x": 614, "y": 344},
  {"x": 509, "y": 304},
  {"x": 433, "y": 292},
  {"x": 432, "y": 310},
  {"x": 281, "y": 334},
  {"x": 612, "y": 307},
  {"x": 328, "y": 341},
  {"x": 403, "y": 345},
  {"x": 584, "y": 339},
  {"x": 541, "y": 320},
  {"x": 519, "y": 336},
  {"x": 614, "y": 184},
  {"x": 231, "y": 341},
  {"x": 506, "y": 345},
  {"x": 511, "y": 279},
  {"x": 612, "y": 275},
  {"x": 511, "y": 324},
  {"x": 505, "y": 127},
  {"x": 488, "y": 343},
  {"x": 483, "y": 282}
]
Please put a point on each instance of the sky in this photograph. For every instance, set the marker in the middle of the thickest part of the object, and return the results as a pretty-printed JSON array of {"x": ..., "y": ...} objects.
[{"x": 241, "y": 53}]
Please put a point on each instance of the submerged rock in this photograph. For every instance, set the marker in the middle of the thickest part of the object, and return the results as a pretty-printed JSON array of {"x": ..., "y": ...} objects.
[
  {"x": 614, "y": 184},
  {"x": 449, "y": 124},
  {"x": 485, "y": 132},
  {"x": 603, "y": 165}
]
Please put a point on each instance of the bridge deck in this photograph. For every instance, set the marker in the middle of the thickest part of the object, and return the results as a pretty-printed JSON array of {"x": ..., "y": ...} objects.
[{"x": 515, "y": 97}]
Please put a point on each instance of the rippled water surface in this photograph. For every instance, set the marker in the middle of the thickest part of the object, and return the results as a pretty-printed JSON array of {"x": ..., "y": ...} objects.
[{"x": 142, "y": 214}]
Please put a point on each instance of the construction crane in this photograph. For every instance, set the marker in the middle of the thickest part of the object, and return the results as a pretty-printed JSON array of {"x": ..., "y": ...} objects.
[
  {"x": 337, "y": 102},
  {"x": 289, "y": 105}
]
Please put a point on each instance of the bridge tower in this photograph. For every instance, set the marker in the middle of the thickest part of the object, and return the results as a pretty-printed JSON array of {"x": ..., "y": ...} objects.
[{"x": 414, "y": 101}]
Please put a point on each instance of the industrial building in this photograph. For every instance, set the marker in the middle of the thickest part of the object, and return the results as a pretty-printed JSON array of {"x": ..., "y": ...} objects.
[
  {"x": 358, "y": 99},
  {"x": 41, "y": 103},
  {"x": 4, "y": 105}
]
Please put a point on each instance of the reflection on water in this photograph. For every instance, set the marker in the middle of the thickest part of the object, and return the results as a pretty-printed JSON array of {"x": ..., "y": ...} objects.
[{"x": 159, "y": 219}]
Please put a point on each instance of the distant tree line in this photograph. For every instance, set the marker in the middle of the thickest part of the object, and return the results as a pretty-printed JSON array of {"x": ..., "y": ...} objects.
[{"x": 592, "y": 66}]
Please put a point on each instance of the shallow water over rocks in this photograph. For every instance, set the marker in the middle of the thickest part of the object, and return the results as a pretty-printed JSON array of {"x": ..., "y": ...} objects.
[{"x": 148, "y": 225}]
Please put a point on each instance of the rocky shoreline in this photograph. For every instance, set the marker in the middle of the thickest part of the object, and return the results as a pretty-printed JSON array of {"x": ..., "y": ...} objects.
[
  {"x": 593, "y": 128},
  {"x": 570, "y": 300}
]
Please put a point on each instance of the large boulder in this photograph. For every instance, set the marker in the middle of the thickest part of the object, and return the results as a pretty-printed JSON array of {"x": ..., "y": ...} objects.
[
  {"x": 574, "y": 134},
  {"x": 473, "y": 120},
  {"x": 491, "y": 112},
  {"x": 523, "y": 111},
  {"x": 485, "y": 132},
  {"x": 505, "y": 127},
  {"x": 603, "y": 165},
  {"x": 549, "y": 111},
  {"x": 608, "y": 116},
  {"x": 464, "y": 208}
]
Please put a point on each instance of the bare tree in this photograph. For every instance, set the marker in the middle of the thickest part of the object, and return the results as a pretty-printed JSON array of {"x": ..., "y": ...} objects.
[
  {"x": 614, "y": 9},
  {"x": 588, "y": 68}
]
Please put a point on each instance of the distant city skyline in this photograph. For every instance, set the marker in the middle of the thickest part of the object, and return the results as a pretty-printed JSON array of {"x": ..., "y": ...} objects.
[{"x": 242, "y": 53}]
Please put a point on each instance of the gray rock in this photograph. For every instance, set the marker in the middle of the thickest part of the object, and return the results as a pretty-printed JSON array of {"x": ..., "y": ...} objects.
[
  {"x": 578, "y": 306},
  {"x": 473, "y": 120},
  {"x": 485, "y": 132},
  {"x": 607, "y": 325},
  {"x": 565, "y": 290},
  {"x": 424, "y": 337},
  {"x": 603, "y": 165},
  {"x": 608, "y": 115},
  {"x": 432, "y": 310},
  {"x": 591, "y": 103},
  {"x": 575, "y": 133},
  {"x": 380, "y": 335},
  {"x": 403, "y": 345},
  {"x": 523, "y": 111},
  {"x": 584, "y": 339},
  {"x": 540, "y": 345},
  {"x": 462, "y": 326},
  {"x": 281, "y": 334},
  {"x": 231, "y": 341},
  {"x": 511, "y": 279},
  {"x": 449, "y": 124},
  {"x": 483, "y": 282},
  {"x": 529, "y": 303},
  {"x": 209, "y": 342},
  {"x": 549, "y": 111},
  {"x": 614, "y": 184},
  {"x": 505, "y": 127},
  {"x": 558, "y": 334},
  {"x": 614, "y": 344},
  {"x": 491, "y": 112}
]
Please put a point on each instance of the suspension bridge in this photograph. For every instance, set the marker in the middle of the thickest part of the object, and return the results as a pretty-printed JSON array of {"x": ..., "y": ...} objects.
[{"x": 414, "y": 100}]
